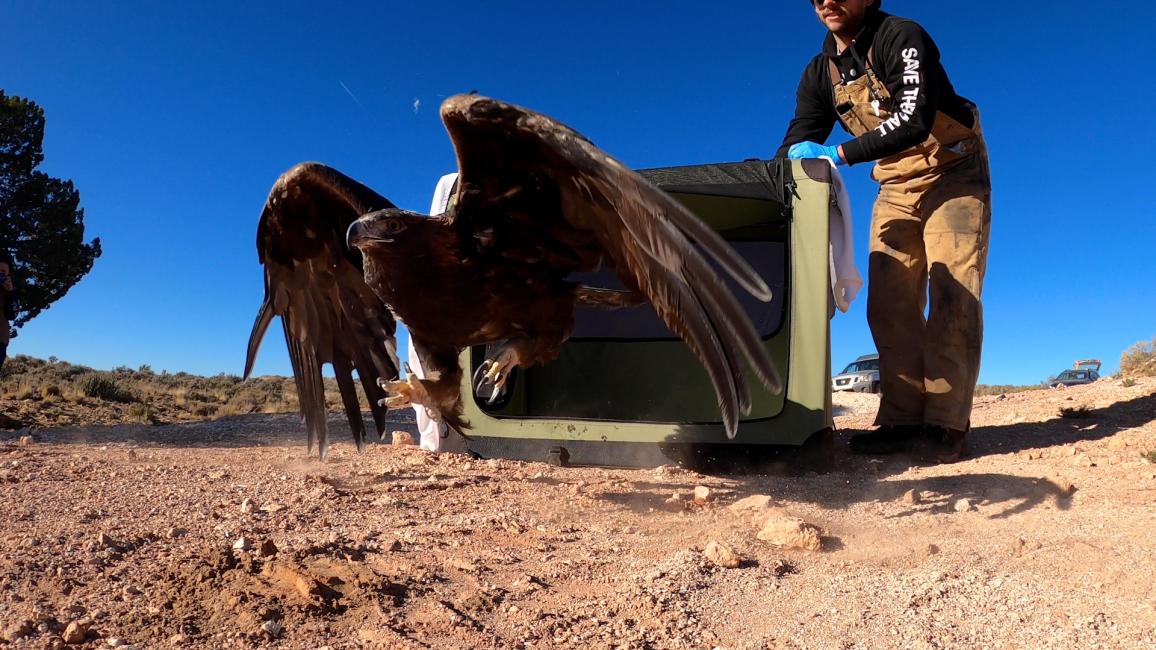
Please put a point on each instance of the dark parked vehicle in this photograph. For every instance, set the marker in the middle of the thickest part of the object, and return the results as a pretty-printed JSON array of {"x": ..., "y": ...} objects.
[
  {"x": 1074, "y": 378},
  {"x": 860, "y": 376}
]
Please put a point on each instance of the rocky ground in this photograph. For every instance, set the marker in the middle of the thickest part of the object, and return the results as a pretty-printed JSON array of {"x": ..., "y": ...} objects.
[{"x": 223, "y": 533}]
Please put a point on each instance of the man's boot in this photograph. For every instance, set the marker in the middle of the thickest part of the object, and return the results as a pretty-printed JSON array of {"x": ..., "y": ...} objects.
[
  {"x": 887, "y": 439},
  {"x": 942, "y": 445}
]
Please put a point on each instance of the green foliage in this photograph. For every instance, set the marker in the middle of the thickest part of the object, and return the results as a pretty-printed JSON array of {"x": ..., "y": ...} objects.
[
  {"x": 1128, "y": 382},
  {"x": 1139, "y": 360},
  {"x": 41, "y": 222},
  {"x": 106, "y": 389},
  {"x": 1150, "y": 457}
]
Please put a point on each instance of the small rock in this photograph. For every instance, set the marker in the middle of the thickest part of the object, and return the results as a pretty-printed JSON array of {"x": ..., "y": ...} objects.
[
  {"x": 178, "y": 639},
  {"x": 267, "y": 549},
  {"x": 1117, "y": 444},
  {"x": 527, "y": 583},
  {"x": 676, "y": 503},
  {"x": 104, "y": 541},
  {"x": 932, "y": 549},
  {"x": 754, "y": 502},
  {"x": 272, "y": 628},
  {"x": 722, "y": 555},
  {"x": 76, "y": 632},
  {"x": 115, "y": 642},
  {"x": 26, "y": 440},
  {"x": 1018, "y": 546},
  {"x": 1083, "y": 461},
  {"x": 131, "y": 590},
  {"x": 402, "y": 438},
  {"x": 174, "y": 533},
  {"x": 392, "y": 546},
  {"x": 246, "y": 506},
  {"x": 703, "y": 494},
  {"x": 781, "y": 568},
  {"x": 781, "y": 529},
  {"x": 18, "y": 631},
  {"x": 912, "y": 497},
  {"x": 964, "y": 505},
  {"x": 242, "y": 544}
]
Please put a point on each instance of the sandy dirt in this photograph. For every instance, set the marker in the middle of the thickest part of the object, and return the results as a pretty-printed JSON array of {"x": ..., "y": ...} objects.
[{"x": 224, "y": 534}]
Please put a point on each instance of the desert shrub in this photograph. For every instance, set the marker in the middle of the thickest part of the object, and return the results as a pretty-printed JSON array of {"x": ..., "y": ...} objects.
[
  {"x": 106, "y": 389},
  {"x": 1128, "y": 382},
  {"x": 1004, "y": 389},
  {"x": 1150, "y": 457},
  {"x": 1139, "y": 360},
  {"x": 1075, "y": 413},
  {"x": 25, "y": 391},
  {"x": 142, "y": 412},
  {"x": 49, "y": 390}
]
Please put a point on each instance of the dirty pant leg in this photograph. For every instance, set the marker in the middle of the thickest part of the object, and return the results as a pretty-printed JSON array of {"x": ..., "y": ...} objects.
[
  {"x": 956, "y": 236},
  {"x": 896, "y": 299}
]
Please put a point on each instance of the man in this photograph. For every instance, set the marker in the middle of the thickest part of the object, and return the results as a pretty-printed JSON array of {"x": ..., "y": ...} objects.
[
  {"x": 880, "y": 76},
  {"x": 436, "y": 436},
  {"x": 7, "y": 306}
]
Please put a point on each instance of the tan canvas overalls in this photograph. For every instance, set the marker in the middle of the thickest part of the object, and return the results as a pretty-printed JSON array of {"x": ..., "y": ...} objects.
[{"x": 929, "y": 230}]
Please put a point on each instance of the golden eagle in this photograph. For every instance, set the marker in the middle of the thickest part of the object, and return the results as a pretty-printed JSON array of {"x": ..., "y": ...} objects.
[{"x": 535, "y": 203}]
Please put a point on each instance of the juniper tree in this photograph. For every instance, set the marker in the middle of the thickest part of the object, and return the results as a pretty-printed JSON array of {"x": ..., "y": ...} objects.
[{"x": 41, "y": 221}]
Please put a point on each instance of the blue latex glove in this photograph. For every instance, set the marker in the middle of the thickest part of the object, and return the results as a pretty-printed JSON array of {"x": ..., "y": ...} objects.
[{"x": 815, "y": 150}]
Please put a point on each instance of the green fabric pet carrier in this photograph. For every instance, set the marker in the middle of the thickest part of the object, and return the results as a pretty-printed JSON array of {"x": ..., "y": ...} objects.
[{"x": 625, "y": 391}]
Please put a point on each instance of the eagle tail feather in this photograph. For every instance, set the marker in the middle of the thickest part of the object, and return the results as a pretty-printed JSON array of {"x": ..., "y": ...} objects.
[{"x": 260, "y": 326}]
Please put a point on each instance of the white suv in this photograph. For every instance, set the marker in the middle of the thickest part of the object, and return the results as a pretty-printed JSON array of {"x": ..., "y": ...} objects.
[{"x": 860, "y": 376}]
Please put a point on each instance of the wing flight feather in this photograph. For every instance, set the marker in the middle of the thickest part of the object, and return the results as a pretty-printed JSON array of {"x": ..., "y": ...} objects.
[
  {"x": 315, "y": 284},
  {"x": 519, "y": 165}
]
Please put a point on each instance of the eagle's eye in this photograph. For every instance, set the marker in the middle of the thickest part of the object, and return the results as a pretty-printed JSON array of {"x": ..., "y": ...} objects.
[{"x": 394, "y": 226}]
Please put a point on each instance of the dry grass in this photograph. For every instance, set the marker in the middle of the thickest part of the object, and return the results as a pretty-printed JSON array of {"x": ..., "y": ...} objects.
[
  {"x": 1004, "y": 389},
  {"x": 1139, "y": 360},
  {"x": 1075, "y": 412},
  {"x": 148, "y": 396}
]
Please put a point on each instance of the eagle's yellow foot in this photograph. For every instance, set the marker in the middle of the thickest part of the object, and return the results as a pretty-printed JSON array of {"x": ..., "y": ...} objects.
[
  {"x": 495, "y": 372},
  {"x": 399, "y": 394}
]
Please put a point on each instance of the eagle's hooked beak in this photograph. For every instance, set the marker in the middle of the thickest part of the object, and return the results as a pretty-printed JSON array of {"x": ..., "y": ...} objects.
[
  {"x": 361, "y": 232},
  {"x": 355, "y": 234}
]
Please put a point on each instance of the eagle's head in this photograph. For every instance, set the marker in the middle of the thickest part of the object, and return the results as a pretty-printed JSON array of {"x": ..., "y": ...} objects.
[{"x": 385, "y": 229}]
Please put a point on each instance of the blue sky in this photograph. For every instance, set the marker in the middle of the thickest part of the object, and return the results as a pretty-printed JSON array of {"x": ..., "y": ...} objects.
[{"x": 174, "y": 119}]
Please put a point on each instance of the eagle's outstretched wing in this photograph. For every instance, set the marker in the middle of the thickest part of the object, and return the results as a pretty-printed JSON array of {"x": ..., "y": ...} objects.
[
  {"x": 523, "y": 170},
  {"x": 315, "y": 284}
]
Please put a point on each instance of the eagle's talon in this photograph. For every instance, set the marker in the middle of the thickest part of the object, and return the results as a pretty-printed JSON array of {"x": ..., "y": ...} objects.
[
  {"x": 494, "y": 372},
  {"x": 400, "y": 394}
]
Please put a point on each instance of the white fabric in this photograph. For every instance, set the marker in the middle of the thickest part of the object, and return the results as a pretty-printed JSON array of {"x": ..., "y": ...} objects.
[
  {"x": 435, "y": 436},
  {"x": 845, "y": 279},
  {"x": 442, "y": 194}
]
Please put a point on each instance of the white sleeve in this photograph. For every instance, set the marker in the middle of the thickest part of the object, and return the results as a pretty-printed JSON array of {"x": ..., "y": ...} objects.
[{"x": 442, "y": 194}]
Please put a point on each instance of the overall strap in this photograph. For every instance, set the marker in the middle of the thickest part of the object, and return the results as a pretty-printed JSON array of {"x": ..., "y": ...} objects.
[{"x": 837, "y": 77}]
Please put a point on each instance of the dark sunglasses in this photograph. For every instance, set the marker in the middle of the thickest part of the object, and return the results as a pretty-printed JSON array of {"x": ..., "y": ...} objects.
[{"x": 819, "y": 2}]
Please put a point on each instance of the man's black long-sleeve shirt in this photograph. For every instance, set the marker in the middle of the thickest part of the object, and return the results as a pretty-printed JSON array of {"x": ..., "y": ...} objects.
[{"x": 906, "y": 61}]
